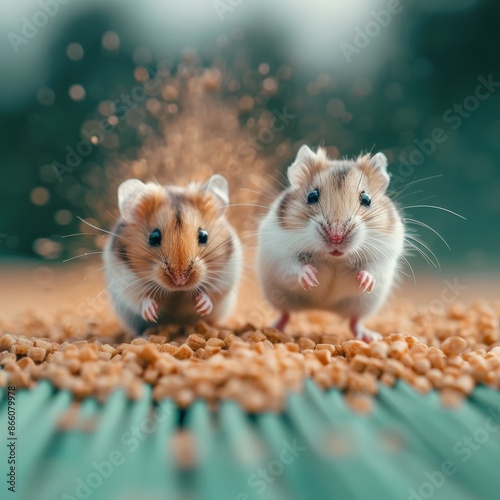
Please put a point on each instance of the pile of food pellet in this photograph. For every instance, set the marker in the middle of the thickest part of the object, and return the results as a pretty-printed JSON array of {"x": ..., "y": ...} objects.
[{"x": 452, "y": 351}]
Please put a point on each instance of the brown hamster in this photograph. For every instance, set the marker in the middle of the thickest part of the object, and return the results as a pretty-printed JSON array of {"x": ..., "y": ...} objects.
[
  {"x": 332, "y": 240},
  {"x": 172, "y": 257}
]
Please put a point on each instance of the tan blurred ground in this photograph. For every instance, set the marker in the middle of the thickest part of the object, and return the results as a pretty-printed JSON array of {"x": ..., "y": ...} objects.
[{"x": 78, "y": 286}]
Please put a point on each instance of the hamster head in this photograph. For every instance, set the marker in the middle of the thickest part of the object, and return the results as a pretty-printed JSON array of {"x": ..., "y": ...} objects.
[
  {"x": 339, "y": 207},
  {"x": 174, "y": 238}
]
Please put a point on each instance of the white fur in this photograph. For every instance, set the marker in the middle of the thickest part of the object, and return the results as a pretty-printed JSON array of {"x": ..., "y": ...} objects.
[{"x": 278, "y": 268}]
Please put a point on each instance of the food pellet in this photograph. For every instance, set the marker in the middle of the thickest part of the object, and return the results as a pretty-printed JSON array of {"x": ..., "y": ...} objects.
[
  {"x": 183, "y": 352},
  {"x": 37, "y": 354},
  {"x": 195, "y": 341},
  {"x": 306, "y": 343},
  {"x": 258, "y": 367},
  {"x": 6, "y": 342},
  {"x": 453, "y": 345}
]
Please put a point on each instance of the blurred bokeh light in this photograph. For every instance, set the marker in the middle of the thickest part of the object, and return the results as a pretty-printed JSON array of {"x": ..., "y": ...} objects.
[{"x": 92, "y": 92}]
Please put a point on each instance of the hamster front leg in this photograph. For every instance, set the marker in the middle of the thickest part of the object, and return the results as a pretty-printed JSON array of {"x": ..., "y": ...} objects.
[
  {"x": 366, "y": 281},
  {"x": 301, "y": 272},
  {"x": 149, "y": 310},
  {"x": 204, "y": 305},
  {"x": 306, "y": 275},
  {"x": 367, "y": 285}
]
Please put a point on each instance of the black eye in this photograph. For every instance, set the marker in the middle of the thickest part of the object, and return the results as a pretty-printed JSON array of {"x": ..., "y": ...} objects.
[
  {"x": 202, "y": 237},
  {"x": 313, "y": 197},
  {"x": 155, "y": 238},
  {"x": 365, "y": 199}
]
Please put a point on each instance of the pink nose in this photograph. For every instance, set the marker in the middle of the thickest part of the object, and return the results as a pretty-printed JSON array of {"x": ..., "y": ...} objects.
[
  {"x": 336, "y": 237},
  {"x": 179, "y": 280},
  {"x": 336, "y": 233}
]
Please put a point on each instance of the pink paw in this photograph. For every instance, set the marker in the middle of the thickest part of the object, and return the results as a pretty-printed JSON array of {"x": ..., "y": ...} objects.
[
  {"x": 150, "y": 310},
  {"x": 307, "y": 277},
  {"x": 366, "y": 281},
  {"x": 362, "y": 333},
  {"x": 368, "y": 336},
  {"x": 204, "y": 305}
]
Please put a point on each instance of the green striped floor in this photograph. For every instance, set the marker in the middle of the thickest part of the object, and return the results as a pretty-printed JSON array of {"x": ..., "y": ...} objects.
[{"x": 409, "y": 447}]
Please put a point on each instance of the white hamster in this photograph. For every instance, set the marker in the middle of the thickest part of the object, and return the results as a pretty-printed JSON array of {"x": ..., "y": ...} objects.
[{"x": 332, "y": 240}]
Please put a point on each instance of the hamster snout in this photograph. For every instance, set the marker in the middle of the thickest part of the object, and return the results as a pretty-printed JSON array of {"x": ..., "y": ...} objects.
[
  {"x": 338, "y": 237},
  {"x": 178, "y": 276},
  {"x": 337, "y": 232}
]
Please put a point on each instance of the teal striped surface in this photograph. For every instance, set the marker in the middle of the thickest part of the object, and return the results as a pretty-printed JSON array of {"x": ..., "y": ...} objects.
[{"x": 409, "y": 447}]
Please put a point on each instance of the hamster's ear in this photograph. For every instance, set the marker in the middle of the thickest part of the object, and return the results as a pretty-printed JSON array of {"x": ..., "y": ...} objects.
[
  {"x": 128, "y": 193},
  {"x": 218, "y": 186},
  {"x": 299, "y": 168},
  {"x": 379, "y": 164}
]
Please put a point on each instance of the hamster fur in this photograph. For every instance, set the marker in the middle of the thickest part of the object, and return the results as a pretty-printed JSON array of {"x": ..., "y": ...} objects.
[
  {"x": 332, "y": 240},
  {"x": 172, "y": 257}
]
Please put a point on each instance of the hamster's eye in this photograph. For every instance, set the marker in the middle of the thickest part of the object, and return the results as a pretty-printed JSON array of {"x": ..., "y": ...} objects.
[
  {"x": 155, "y": 238},
  {"x": 365, "y": 199},
  {"x": 313, "y": 197},
  {"x": 202, "y": 237}
]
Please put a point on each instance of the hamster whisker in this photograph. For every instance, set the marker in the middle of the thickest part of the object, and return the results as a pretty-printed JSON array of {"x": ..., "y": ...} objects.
[
  {"x": 436, "y": 208},
  {"x": 141, "y": 296},
  {"x": 411, "y": 268},
  {"x": 131, "y": 288},
  {"x": 377, "y": 254},
  {"x": 248, "y": 205},
  {"x": 211, "y": 285},
  {"x": 157, "y": 291},
  {"x": 83, "y": 255},
  {"x": 78, "y": 234},
  {"x": 147, "y": 249},
  {"x": 413, "y": 244},
  {"x": 267, "y": 195},
  {"x": 395, "y": 194},
  {"x": 137, "y": 256},
  {"x": 413, "y": 193},
  {"x": 376, "y": 241},
  {"x": 277, "y": 179},
  {"x": 220, "y": 272},
  {"x": 142, "y": 281},
  {"x": 422, "y": 224},
  {"x": 424, "y": 199},
  {"x": 377, "y": 245},
  {"x": 136, "y": 280},
  {"x": 98, "y": 228},
  {"x": 420, "y": 242},
  {"x": 206, "y": 255},
  {"x": 413, "y": 247}
]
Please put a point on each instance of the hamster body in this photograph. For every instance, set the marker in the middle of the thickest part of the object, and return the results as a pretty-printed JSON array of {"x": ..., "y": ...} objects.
[
  {"x": 172, "y": 256},
  {"x": 332, "y": 240}
]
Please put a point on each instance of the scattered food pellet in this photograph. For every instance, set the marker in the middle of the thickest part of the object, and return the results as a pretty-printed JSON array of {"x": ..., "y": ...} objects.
[{"x": 451, "y": 352}]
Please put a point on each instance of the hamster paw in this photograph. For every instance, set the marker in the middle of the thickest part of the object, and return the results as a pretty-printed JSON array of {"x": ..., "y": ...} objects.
[
  {"x": 362, "y": 333},
  {"x": 366, "y": 281},
  {"x": 149, "y": 310},
  {"x": 307, "y": 277},
  {"x": 204, "y": 305},
  {"x": 367, "y": 335},
  {"x": 282, "y": 321}
]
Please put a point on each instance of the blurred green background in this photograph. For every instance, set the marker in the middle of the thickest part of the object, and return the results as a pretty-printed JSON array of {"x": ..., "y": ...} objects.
[{"x": 401, "y": 77}]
